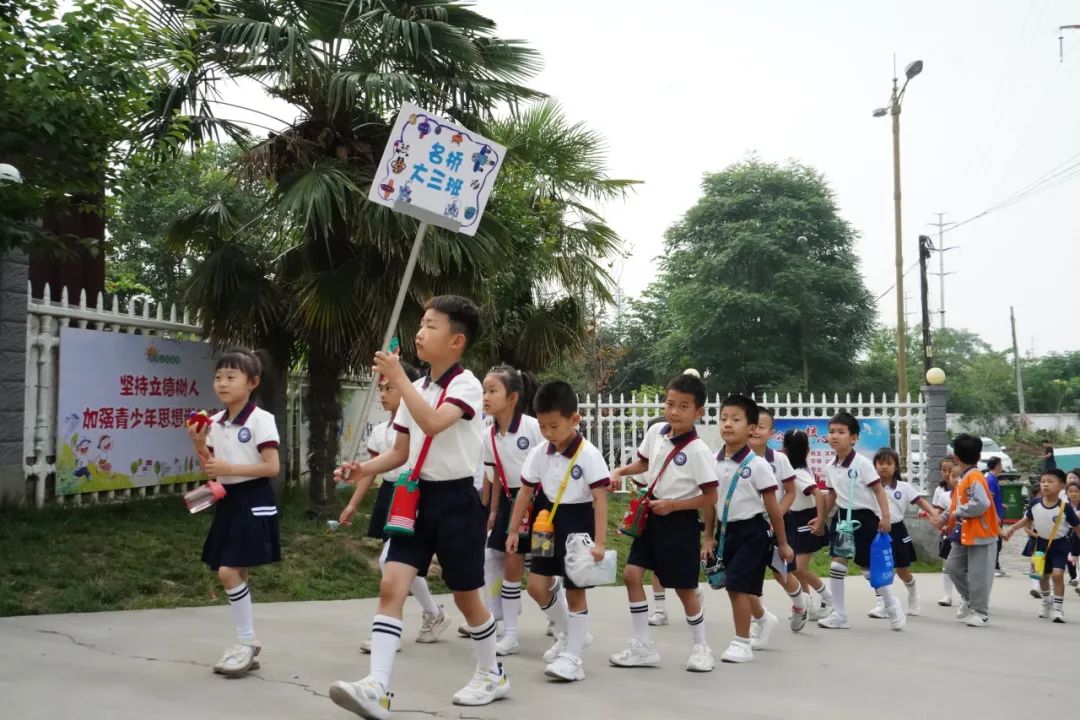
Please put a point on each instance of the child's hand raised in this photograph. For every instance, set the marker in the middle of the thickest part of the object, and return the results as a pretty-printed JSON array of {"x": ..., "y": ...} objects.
[{"x": 389, "y": 366}]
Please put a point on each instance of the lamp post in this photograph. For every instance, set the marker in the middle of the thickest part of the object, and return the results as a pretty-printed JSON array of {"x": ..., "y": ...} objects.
[{"x": 893, "y": 109}]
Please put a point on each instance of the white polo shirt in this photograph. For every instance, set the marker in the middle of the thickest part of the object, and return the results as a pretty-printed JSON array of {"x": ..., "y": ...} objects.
[
  {"x": 1042, "y": 518},
  {"x": 687, "y": 473},
  {"x": 756, "y": 478},
  {"x": 838, "y": 477},
  {"x": 241, "y": 440},
  {"x": 804, "y": 487},
  {"x": 900, "y": 496},
  {"x": 781, "y": 467},
  {"x": 942, "y": 498},
  {"x": 513, "y": 446},
  {"x": 546, "y": 467},
  {"x": 383, "y": 438},
  {"x": 455, "y": 452}
]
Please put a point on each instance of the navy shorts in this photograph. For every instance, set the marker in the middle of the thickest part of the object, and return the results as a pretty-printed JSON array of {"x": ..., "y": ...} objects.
[
  {"x": 497, "y": 537},
  {"x": 381, "y": 510},
  {"x": 569, "y": 519},
  {"x": 1029, "y": 547},
  {"x": 244, "y": 531},
  {"x": 903, "y": 550},
  {"x": 1058, "y": 556},
  {"x": 451, "y": 524},
  {"x": 864, "y": 535},
  {"x": 747, "y": 550},
  {"x": 671, "y": 548},
  {"x": 799, "y": 537}
]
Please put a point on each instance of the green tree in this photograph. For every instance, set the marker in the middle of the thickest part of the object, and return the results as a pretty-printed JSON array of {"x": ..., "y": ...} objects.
[
  {"x": 1052, "y": 383},
  {"x": 750, "y": 302},
  {"x": 73, "y": 88},
  {"x": 158, "y": 193},
  {"x": 321, "y": 287}
]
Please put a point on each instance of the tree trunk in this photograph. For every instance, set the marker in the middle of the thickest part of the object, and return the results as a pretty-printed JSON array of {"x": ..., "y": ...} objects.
[
  {"x": 274, "y": 397},
  {"x": 323, "y": 402}
]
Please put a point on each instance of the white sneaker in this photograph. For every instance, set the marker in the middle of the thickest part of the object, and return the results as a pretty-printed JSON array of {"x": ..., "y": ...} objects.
[
  {"x": 1001, "y": 573},
  {"x": 658, "y": 617},
  {"x": 880, "y": 612},
  {"x": 565, "y": 667},
  {"x": 1044, "y": 611},
  {"x": 945, "y": 601},
  {"x": 507, "y": 645},
  {"x": 639, "y": 654},
  {"x": 434, "y": 625},
  {"x": 897, "y": 618},
  {"x": 366, "y": 698},
  {"x": 365, "y": 647},
  {"x": 799, "y": 617},
  {"x": 484, "y": 688},
  {"x": 761, "y": 630},
  {"x": 834, "y": 621},
  {"x": 964, "y": 612},
  {"x": 914, "y": 609},
  {"x": 701, "y": 659},
  {"x": 977, "y": 620},
  {"x": 238, "y": 659},
  {"x": 1057, "y": 615},
  {"x": 738, "y": 652},
  {"x": 463, "y": 630},
  {"x": 821, "y": 610},
  {"x": 1074, "y": 582},
  {"x": 559, "y": 647},
  {"x": 1034, "y": 592}
]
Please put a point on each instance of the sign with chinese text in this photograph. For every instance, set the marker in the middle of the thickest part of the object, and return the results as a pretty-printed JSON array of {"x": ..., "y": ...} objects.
[
  {"x": 122, "y": 409},
  {"x": 873, "y": 435},
  {"x": 438, "y": 167}
]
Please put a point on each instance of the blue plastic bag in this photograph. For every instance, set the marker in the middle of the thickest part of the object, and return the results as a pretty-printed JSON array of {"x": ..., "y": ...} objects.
[{"x": 882, "y": 568}]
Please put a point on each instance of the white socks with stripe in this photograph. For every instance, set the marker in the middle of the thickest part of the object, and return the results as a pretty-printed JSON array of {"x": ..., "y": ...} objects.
[
  {"x": 494, "y": 571},
  {"x": 824, "y": 592},
  {"x": 797, "y": 600},
  {"x": 697, "y": 627},
  {"x": 837, "y": 573},
  {"x": 240, "y": 601},
  {"x": 639, "y": 613},
  {"x": 660, "y": 600},
  {"x": 577, "y": 628},
  {"x": 557, "y": 610},
  {"x": 385, "y": 639},
  {"x": 422, "y": 593},
  {"x": 511, "y": 606},
  {"x": 483, "y": 637}
]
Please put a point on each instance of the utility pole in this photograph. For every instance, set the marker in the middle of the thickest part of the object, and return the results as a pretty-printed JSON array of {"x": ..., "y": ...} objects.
[
  {"x": 941, "y": 250},
  {"x": 1016, "y": 360},
  {"x": 925, "y": 248}
]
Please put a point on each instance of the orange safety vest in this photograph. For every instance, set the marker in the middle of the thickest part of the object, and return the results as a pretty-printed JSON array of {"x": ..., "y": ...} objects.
[{"x": 982, "y": 526}]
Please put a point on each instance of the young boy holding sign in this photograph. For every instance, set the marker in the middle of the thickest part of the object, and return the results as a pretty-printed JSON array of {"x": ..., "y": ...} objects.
[{"x": 680, "y": 481}]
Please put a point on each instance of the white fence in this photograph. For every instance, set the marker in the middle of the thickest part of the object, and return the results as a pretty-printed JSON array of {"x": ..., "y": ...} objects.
[
  {"x": 43, "y": 322},
  {"x": 617, "y": 426}
]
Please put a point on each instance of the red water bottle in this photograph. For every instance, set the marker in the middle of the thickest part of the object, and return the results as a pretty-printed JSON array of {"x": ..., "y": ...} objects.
[{"x": 401, "y": 519}]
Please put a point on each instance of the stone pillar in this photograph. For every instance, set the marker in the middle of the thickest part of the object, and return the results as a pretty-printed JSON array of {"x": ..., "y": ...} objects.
[
  {"x": 924, "y": 535},
  {"x": 14, "y": 273}
]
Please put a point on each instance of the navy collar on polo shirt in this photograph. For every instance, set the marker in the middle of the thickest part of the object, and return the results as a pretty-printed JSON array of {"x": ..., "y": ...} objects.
[
  {"x": 687, "y": 437},
  {"x": 737, "y": 457},
  {"x": 241, "y": 417},
  {"x": 570, "y": 449},
  {"x": 770, "y": 454},
  {"x": 847, "y": 461},
  {"x": 514, "y": 424},
  {"x": 446, "y": 378}
]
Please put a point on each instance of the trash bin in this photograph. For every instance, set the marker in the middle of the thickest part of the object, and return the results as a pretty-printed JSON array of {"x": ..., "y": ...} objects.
[{"x": 1012, "y": 494}]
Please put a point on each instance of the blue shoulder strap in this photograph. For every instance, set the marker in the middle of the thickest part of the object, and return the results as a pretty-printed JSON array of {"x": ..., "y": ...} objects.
[{"x": 731, "y": 490}]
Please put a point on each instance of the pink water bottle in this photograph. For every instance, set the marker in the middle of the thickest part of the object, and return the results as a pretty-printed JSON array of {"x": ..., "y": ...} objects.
[{"x": 204, "y": 496}]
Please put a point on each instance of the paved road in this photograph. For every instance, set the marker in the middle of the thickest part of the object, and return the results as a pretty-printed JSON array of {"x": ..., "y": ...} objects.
[{"x": 155, "y": 664}]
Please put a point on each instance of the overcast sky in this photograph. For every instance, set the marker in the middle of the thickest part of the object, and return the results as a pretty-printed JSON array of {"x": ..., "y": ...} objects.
[{"x": 993, "y": 111}]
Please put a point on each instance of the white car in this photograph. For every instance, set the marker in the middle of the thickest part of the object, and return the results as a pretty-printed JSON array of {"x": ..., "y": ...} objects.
[{"x": 992, "y": 449}]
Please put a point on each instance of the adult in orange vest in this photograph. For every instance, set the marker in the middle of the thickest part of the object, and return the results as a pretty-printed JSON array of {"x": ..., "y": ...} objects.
[{"x": 972, "y": 524}]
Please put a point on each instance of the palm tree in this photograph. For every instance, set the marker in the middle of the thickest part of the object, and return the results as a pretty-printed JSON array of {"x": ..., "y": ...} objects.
[{"x": 346, "y": 67}]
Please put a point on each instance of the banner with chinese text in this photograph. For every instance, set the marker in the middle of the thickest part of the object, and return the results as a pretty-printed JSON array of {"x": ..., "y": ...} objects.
[
  {"x": 122, "y": 409},
  {"x": 873, "y": 435}
]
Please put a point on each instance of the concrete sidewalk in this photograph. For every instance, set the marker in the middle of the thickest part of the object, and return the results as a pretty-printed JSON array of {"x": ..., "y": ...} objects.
[{"x": 156, "y": 664}]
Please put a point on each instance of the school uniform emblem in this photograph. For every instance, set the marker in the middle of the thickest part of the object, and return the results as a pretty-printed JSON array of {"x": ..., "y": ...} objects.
[
  {"x": 745, "y": 473},
  {"x": 852, "y": 474},
  {"x": 576, "y": 473},
  {"x": 679, "y": 459},
  {"x": 523, "y": 443},
  {"x": 896, "y": 494},
  {"x": 244, "y": 435}
]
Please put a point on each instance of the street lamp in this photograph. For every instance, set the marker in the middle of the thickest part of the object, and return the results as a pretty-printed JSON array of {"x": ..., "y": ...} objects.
[{"x": 893, "y": 109}]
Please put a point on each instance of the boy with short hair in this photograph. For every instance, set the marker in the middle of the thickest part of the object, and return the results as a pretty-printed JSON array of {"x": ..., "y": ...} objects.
[
  {"x": 746, "y": 494},
  {"x": 971, "y": 559},
  {"x": 1054, "y": 520},
  {"x": 786, "y": 494},
  {"x": 450, "y": 521},
  {"x": 568, "y": 470},
  {"x": 680, "y": 481},
  {"x": 853, "y": 484}
]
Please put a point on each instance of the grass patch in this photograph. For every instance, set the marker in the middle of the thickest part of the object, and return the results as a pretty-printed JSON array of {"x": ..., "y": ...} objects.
[{"x": 145, "y": 554}]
